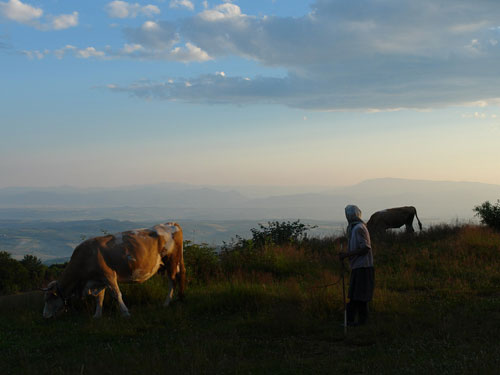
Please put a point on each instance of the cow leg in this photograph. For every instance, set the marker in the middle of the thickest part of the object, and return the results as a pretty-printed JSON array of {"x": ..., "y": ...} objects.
[
  {"x": 170, "y": 293},
  {"x": 115, "y": 291},
  {"x": 409, "y": 228},
  {"x": 99, "y": 298}
]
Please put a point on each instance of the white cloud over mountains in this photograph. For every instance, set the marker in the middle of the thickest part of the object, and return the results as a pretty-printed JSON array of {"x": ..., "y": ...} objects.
[{"x": 17, "y": 11}]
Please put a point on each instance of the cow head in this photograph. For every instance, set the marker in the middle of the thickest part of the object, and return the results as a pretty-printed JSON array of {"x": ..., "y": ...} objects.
[{"x": 54, "y": 302}]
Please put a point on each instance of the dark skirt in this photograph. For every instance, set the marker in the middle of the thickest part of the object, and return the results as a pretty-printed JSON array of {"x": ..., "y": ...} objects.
[{"x": 361, "y": 284}]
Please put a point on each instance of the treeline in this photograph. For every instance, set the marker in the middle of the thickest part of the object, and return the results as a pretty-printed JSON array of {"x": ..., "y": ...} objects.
[{"x": 25, "y": 275}]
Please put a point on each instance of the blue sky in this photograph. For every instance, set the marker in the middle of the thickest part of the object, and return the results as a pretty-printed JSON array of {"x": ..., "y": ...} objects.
[{"x": 262, "y": 92}]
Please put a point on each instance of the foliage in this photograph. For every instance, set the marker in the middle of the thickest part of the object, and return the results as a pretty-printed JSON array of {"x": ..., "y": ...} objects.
[
  {"x": 489, "y": 214},
  {"x": 202, "y": 262},
  {"x": 13, "y": 276},
  {"x": 36, "y": 270},
  {"x": 279, "y": 233},
  {"x": 28, "y": 274}
]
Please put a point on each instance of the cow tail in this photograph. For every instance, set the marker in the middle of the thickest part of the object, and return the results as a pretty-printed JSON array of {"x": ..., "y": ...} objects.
[
  {"x": 182, "y": 273},
  {"x": 419, "y": 223}
]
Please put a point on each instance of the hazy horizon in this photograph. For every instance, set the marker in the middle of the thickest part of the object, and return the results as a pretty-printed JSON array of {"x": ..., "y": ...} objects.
[{"x": 179, "y": 184}]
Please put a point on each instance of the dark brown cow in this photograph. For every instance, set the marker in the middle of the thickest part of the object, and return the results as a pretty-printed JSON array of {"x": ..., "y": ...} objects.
[
  {"x": 380, "y": 221},
  {"x": 129, "y": 257}
]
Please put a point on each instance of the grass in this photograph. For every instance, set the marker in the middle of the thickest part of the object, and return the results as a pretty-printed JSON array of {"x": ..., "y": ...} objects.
[{"x": 435, "y": 311}]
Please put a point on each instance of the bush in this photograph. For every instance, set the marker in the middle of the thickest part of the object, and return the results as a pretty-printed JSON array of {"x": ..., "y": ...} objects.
[
  {"x": 489, "y": 214},
  {"x": 202, "y": 262},
  {"x": 276, "y": 233}
]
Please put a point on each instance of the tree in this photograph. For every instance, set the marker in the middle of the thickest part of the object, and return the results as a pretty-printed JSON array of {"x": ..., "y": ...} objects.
[
  {"x": 35, "y": 268},
  {"x": 489, "y": 214},
  {"x": 13, "y": 276}
]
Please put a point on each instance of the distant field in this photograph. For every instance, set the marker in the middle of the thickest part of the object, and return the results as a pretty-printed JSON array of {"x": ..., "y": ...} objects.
[{"x": 436, "y": 311}]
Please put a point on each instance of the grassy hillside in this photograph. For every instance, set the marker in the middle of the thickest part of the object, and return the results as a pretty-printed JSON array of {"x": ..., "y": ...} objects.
[{"x": 436, "y": 310}]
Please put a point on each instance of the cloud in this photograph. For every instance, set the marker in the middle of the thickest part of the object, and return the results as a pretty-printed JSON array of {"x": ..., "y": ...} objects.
[
  {"x": 479, "y": 116},
  {"x": 123, "y": 9},
  {"x": 89, "y": 52},
  {"x": 181, "y": 3},
  {"x": 189, "y": 53},
  {"x": 378, "y": 55},
  {"x": 221, "y": 12},
  {"x": 65, "y": 21},
  {"x": 180, "y": 53},
  {"x": 36, "y": 54},
  {"x": 161, "y": 41},
  {"x": 154, "y": 35},
  {"x": 15, "y": 10},
  {"x": 81, "y": 53}
]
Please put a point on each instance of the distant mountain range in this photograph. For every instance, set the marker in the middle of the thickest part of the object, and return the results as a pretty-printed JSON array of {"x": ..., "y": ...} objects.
[{"x": 434, "y": 200}]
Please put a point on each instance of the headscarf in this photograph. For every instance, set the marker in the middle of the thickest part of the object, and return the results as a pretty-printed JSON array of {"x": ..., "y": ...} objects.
[{"x": 353, "y": 215}]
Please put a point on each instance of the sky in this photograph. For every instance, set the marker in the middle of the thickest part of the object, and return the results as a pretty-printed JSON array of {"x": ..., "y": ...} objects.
[{"x": 248, "y": 92}]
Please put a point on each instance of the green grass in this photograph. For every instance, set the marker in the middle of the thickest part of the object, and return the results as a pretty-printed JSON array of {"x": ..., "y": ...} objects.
[{"x": 436, "y": 310}]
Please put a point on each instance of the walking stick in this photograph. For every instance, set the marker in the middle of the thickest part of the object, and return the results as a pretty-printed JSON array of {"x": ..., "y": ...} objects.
[{"x": 343, "y": 292}]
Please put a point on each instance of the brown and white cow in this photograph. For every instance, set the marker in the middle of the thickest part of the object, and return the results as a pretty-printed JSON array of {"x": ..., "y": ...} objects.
[
  {"x": 128, "y": 257},
  {"x": 380, "y": 221}
]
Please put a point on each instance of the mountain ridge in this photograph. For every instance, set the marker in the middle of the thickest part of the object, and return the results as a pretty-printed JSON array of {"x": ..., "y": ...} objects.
[{"x": 443, "y": 200}]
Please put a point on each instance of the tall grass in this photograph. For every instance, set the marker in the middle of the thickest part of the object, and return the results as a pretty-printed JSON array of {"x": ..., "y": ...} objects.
[{"x": 269, "y": 310}]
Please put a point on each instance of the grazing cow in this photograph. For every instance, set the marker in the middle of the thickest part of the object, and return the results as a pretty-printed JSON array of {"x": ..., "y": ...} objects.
[
  {"x": 129, "y": 257},
  {"x": 380, "y": 221}
]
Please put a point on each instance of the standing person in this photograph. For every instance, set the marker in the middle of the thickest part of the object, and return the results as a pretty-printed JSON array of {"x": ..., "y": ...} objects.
[{"x": 359, "y": 252}]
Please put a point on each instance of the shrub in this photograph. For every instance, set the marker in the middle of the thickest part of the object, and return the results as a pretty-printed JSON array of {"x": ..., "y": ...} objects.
[
  {"x": 277, "y": 233},
  {"x": 489, "y": 214},
  {"x": 202, "y": 262}
]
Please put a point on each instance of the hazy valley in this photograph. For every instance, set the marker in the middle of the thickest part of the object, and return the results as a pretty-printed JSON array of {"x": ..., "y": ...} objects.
[{"x": 50, "y": 222}]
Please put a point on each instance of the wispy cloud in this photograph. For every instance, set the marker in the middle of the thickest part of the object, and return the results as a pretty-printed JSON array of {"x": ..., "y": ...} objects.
[
  {"x": 123, "y": 9},
  {"x": 82, "y": 53},
  {"x": 184, "y": 53},
  {"x": 182, "y": 4}
]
